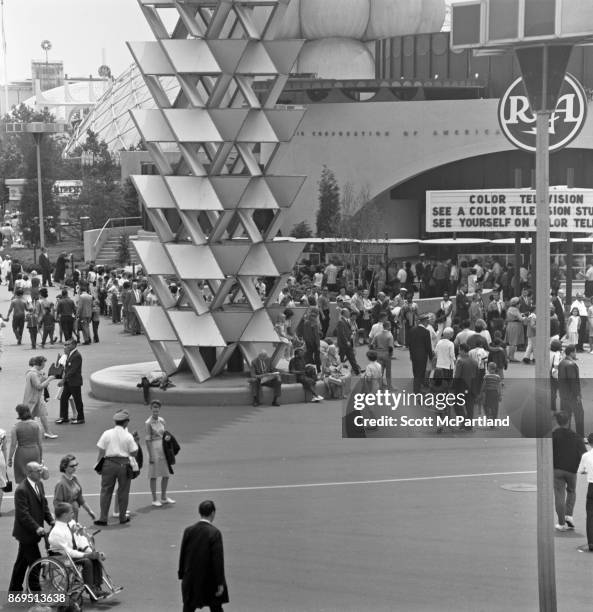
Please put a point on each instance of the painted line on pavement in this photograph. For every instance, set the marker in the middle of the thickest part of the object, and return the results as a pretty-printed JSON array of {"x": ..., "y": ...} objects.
[{"x": 307, "y": 485}]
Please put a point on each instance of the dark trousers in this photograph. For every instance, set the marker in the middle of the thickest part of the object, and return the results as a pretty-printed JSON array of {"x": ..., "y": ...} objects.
[
  {"x": 92, "y": 572},
  {"x": 564, "y": 493},
  {"x": 572, "y": 406},
  {"x": 256, "y": 385},
  {"x": 96, "y": 331},
  {"x": 67, "y": 325},
  {"x": 74, "y": 392},
  {"x": 115, "y": 470},
  {"x": 27, "y": 554},
  {"x": 18, "y": 326},
  {"x": 33, "y": 335},
  {"x": 583, "y": 333},
  {"x": 347, "y": 352},
  {"x": 589, "y": 509},
  {"x": 419, "y": 373},
  {"x": 553, "y": 393},
  {"x": 308, "y": 384},
  {"x": 325, "y": 323},
  {"x": 48, "y": 332},
  {"x": 115, "y": 312},
  {"x": 312, "y": 354},
  {"x": 46, "y": 278}
]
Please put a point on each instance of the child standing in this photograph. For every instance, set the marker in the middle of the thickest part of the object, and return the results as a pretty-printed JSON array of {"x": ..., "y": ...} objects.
[
  {"x": 572, "y": 327},
  {"x": 491, "y": 392},
  {"x": 373, "y": 374}
]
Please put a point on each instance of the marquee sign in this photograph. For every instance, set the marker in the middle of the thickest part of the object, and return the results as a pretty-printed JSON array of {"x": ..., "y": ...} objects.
[
  {"x": 518, "y": 122},
  {"x": 507, "y": 210}
]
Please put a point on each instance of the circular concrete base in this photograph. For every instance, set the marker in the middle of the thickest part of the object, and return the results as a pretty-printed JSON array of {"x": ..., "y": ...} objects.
[{"x": 118, "y": 384}]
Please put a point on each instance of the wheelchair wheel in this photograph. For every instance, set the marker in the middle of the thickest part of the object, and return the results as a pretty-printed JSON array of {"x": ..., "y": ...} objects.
[{"x": 52, "y": 575}]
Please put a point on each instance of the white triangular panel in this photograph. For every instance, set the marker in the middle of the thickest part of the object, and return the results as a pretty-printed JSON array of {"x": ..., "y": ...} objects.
[
  {"x": 284, "y": 122},
  {"x": 194, "y": 261},
  {"x": 258, "y": 262},
  {"x": 155, "y": 323},
  {"x": 228, "y": 53},
  {"x": 192, "y": 125},
  {"x": 153, "y": 257},
  {"x": 260, "y": 329},
  {"x": 284, "y": 254},
  {"x": 232, "y": 323},
  {"x": 150, "y": 58},
  {"x": 257, "y": 129},
  {"x": 193, "y": 193},
  {"x": 283, "y": 53},
  {"x": 152, "y": 190},
  {"x": 195, "y": 330},
  {"x": 229, "y": 121},
  {"x": 230, "y": 256},
  {"x": 258, "y": 195},
  {"x": 191, "y": 56},
  {"x": 285, "y": 188},
  {"x": 152, "y": 125},
  {"x": 230, "y": 189}
]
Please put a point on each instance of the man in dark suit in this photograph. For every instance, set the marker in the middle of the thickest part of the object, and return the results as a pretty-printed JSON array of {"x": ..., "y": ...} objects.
[
  {"x": 263, "y": 375},
  {"x": 466, "y": 381},
  {"x": 421, "y": 351},
  {"x": 558, "y": 307},
  {"x": 45, "y": 267},
  {"x": 65, "y": 314},
  {"x": 30, "y": 512},
  {"x": 72, "y": 384},
  {"x": 569, "y": 389},
  {"x": 345, "y": 340},
  {"x": 201, "y": 564}
]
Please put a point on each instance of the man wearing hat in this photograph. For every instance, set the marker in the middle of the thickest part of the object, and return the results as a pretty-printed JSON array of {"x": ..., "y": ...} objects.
[
  {"x": 345, "y": 340},
  {"x": 116, "y": 445},
  {"x": 579, "y": 304}
]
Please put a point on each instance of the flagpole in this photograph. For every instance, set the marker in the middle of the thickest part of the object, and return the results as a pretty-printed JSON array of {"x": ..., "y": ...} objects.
[{"x": 6, "y": 108}]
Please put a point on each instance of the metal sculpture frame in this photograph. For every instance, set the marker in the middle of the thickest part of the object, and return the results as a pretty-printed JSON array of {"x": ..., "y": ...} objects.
[{"x": 213, "y": 146}]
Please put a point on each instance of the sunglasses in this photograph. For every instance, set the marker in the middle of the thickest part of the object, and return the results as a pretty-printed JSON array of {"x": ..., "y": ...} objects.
[{"x": 73, "y": 465}]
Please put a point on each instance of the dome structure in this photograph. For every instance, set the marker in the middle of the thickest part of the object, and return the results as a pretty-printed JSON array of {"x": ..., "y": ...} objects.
[
  {"x": 71, "y": 100},
  {"x": 334, "y": 18},
  {"x": 337, "y": 58},
  {"x": 110, "y": 118}
]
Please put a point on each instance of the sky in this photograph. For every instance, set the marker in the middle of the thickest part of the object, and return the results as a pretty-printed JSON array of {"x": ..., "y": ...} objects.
[{"x": 79, "y": 31}]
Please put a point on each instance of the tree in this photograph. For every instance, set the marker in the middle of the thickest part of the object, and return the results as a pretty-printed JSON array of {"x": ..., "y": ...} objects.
[
  {"x": 328, "y": 215},
  {"x": 301, "y": 230}
]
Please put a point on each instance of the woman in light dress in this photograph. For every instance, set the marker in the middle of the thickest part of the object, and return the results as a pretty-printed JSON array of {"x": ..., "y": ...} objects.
[
  {"x": 157, "y": 463},
  {"x": 35, "y": 383},
  {"x": 26, "y": 443},
  {"x": 3, "y": 468}
]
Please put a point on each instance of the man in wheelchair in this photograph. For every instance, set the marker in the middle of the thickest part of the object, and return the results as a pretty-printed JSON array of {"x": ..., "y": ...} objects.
[{"x": 64, "y": 540}]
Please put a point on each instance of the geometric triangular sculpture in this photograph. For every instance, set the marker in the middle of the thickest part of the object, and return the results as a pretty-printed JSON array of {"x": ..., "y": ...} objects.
[{"x": 205, "y": 209}]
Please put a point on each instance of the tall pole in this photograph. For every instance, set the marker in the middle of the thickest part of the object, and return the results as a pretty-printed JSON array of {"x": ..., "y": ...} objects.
[
  {"x": 38, "y": 136},
  {"x": 4, "y": 60},
  {"x": 545, "y": 470}
]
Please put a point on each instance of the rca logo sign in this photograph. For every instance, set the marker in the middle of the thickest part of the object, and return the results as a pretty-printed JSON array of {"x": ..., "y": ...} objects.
[{"x": 518, "y": 122}]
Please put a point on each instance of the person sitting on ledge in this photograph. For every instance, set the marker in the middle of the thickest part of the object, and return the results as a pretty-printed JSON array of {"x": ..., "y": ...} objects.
[
  {"x": 154, "y": 378},
  {"x": 305, "y": 374},
  {"x": 262, "y": 375}
]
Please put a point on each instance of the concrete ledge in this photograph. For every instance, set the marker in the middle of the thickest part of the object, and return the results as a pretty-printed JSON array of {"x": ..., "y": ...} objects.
[{"x": 118, "y": 384}]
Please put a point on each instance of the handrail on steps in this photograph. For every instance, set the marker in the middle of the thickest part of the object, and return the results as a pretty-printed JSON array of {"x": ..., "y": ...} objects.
[{"x": 110, "y": 223}]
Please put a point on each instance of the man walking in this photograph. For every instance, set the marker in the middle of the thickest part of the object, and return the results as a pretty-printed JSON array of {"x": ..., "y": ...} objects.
[
  {"x": 466, "y": 380},
  {"x": 586, "y": 467},
  {"x": 45, "y": 267},
  {"x": 420, "y": 346},
  {"x": 201, "y": 564},
  {"x": 84, "y": 312},
  {"x": 345, "y": 340},
  {"x": 72, "y": 385},
  {"x": 569, "y": 389},
  {"x": 30, "y": 512},
  {"x": 568, "y": 448},
  {"x": 116, "y": 446},
  {"x": 65, "y": 313}
]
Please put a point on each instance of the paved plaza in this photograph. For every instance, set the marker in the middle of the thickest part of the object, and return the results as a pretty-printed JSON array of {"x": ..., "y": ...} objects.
[{"x": 312, "y": 522}]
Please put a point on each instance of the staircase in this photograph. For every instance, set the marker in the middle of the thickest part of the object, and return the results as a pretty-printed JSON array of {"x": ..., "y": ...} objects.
[{"x": 108, "y": 255}]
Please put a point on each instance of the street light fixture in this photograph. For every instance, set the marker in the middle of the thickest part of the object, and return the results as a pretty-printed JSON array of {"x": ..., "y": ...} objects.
[{"x": 37, "y": 129}]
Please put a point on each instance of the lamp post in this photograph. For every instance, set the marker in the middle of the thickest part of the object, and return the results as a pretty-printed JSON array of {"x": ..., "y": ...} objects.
[{"x": 37, "y": 129}]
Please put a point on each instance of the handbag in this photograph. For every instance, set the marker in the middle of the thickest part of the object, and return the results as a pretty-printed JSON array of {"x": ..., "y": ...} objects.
[
  {"x": 56, "y": 369},
  {"x": 7, "y": 488},
  {"x": 99, "y": 465}
]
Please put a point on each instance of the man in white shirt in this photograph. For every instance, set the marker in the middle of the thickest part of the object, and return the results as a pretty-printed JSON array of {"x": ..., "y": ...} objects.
[
  {"x": 64, "y": 538},
  {"x": 331, "y": 275},
  {"x": 586, "y": 467},
  {"x": 116, "y": 445}
]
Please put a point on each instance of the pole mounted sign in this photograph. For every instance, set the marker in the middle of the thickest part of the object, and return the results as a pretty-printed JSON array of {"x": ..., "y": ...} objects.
[{"x": 517, "y": 121}]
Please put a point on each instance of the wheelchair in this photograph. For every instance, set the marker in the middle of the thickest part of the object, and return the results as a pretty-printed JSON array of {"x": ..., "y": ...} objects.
[{"x": 59, "y": 574}]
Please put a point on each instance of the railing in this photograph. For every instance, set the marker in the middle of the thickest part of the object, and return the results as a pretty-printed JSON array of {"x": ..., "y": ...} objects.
[{"x": 112, "y": 223}]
